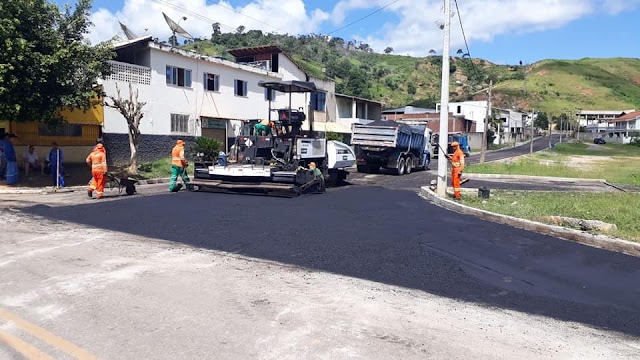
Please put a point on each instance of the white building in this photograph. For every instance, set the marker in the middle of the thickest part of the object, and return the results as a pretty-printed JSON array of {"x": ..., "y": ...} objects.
[
  {"x": 188, "y": 94},
  {"x": 599, "y": 120},
  {"x": 475, "y": 111}
]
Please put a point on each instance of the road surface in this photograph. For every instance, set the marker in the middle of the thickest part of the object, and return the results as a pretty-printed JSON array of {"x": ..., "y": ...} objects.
[{"x": 360, "y": 271}]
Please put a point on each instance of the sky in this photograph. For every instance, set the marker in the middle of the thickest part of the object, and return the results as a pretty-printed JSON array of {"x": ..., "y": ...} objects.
[{"x": 501, "y": 31}]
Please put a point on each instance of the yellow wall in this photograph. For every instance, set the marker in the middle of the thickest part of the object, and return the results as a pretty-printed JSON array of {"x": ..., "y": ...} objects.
[
  {"x": 28, "y": 134},
  {"x": 93, "y": 116}
]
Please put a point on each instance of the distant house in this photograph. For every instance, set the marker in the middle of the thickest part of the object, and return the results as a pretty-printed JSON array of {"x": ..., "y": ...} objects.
[
  {"x": 626, "y": 127},
  {"x": 599, "y": 120}
]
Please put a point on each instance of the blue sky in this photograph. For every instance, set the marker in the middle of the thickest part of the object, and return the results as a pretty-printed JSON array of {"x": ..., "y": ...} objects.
[{"x": 502, "y": 31}]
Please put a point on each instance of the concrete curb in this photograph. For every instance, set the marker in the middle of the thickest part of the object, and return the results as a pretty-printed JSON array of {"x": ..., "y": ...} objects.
[
  {"x": 598, "y": 241},
  {"x": 531, "y": 177},
  {"x": 50, "y": 190}
]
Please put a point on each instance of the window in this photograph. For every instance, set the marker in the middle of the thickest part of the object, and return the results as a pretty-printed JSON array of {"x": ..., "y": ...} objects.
[
  {"x": 240, "y": 88},
  {"x": 269, "y": 94},
  {"x": 179, "y": 123},
  {"x": 178, "y": 76},
  {"x": 318, "y": 101},
  {"x": 60, "y": 130},
  {"x": 459, "y": 110},
  {"x": 211, "y": 82}
]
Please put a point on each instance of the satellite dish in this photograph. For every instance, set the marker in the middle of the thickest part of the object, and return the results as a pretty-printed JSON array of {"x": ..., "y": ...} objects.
[
  {"x": 176, "y": 28},
  {"x": 130, "y": 35}
]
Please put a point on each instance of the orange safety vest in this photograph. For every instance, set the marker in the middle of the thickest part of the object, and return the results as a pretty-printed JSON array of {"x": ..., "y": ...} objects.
[
  {"x": 177, "y": 156},
  {"x": 98, "y": 161},
  {"x": 457, "y": 160}
]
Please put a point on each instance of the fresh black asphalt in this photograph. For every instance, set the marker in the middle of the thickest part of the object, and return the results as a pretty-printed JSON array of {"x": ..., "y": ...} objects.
[{"x": 392, "y": 237}]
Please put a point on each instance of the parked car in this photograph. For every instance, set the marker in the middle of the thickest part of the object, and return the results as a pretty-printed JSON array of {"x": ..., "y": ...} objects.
[{"x": 599, "y": 140}]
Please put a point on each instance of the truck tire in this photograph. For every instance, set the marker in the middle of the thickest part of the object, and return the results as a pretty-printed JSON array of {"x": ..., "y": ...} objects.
[
  {"x": 408, "y": 165},
  {"x": 401, "y": 167},
  {"x": 363, "y": 169}
]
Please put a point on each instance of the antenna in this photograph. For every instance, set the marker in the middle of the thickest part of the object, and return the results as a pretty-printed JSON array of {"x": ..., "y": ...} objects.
[
  {"x": 176, "y": 28},
  {"x": 130, "y": 35}
]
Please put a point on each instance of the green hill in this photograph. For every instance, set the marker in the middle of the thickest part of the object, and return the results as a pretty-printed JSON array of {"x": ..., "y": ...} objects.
[{"x": 551, "y": 85}]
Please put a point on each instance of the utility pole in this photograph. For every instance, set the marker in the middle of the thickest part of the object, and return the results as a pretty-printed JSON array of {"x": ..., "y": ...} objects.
[
  {"x": 483, "y": 147},
  {"x": 533, "y": 111},
  {"x": 549, "y": 120},
  {"x": 443, "y": 138},
  {"x": 560, "y": 128}
]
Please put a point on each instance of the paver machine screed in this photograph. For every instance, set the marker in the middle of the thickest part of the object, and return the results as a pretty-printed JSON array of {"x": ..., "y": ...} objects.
[{"x": 278, "y": 163}]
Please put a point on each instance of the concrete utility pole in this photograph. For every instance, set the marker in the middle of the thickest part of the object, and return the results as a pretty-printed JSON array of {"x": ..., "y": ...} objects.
[
  {"x": 533, "y": 111},
  {"x": 560, "y": 128},
  {"x": 483, "y": 147},
  {"x": 549, "y": 117},
  {"x": 444, "y": 104}
]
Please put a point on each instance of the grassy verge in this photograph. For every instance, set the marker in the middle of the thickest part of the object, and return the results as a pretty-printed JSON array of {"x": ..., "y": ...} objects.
[
  {"x": 619, "y": 164},
  {"x": 615, "y": 208},
  {"x": 157, "y": 169}
]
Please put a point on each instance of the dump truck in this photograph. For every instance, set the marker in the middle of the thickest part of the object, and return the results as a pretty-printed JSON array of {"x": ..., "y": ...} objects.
[
  {"x": 391, "y": 145},
  {"x": 278, "y": 163}
]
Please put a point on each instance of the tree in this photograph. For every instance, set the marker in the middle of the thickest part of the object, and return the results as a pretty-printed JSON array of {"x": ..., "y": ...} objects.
[
  {"x": 46, "y": 64},
  {"x": 388, "y": 50},
  {"x": 432, "y": 52},
  {"x": 131, "y": 110},
  {"x": 542, "y": 121},
  {"x": 240, "y": 29},
  {"x": 216, "y": 30},
  {"x": 459, "y": 52}
]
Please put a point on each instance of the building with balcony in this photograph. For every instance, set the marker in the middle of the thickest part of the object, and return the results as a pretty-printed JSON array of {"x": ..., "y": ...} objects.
[{"x": 599, "y": 120}]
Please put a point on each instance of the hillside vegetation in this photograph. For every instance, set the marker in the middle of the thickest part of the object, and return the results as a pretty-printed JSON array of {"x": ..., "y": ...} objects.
[{"x": 554, "y": 86}]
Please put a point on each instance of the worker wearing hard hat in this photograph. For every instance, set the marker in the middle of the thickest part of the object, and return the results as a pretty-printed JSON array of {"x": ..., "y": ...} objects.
[
  {"x": 98, "y": 162},
  {"x": 457, "y": 165},
  {"x": 178, "y": 167}
]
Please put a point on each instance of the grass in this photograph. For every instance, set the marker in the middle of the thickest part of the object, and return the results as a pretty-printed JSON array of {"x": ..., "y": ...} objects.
[
  {"x": 154, "y": 170},
  {"x": 621, "y": 165},
  {"x": 615, "y": 208}
]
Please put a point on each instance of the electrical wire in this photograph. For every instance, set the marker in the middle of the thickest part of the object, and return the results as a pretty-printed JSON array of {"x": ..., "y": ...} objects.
[
  {"x": 464, "y": 36},
  {"x": 364, "y": 17}
]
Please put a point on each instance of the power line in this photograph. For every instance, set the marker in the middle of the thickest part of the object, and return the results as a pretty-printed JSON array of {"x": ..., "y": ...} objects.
[
  {"x": 364, "y": 17},
  {"x": 464, "y": 36}
]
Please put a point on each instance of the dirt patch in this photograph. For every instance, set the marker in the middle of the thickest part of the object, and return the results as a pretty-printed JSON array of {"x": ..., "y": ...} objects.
[
  {"x": 636, "y": 80},
  {"x": 585, "y": 162},
  {"x": 587, "y": 92},
  {"x": 543, "y": 72}
]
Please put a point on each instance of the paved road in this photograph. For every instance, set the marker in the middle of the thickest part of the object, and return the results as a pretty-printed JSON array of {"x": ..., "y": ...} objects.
[
  {"x": 393, "y": 237},
  {"x": 417, "y": 179}
]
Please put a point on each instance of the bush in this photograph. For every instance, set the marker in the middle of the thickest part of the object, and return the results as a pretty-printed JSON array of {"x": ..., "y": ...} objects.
[
  {"x": 207, "y": 147},
  {"x": 334, "y": 136}
]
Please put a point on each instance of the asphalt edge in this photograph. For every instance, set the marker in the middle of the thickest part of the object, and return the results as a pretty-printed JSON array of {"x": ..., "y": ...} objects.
[
  {"x": 531, "y": 177},
  {"x": 50, "y": 190},
  {"x": 597, "y": 241}
]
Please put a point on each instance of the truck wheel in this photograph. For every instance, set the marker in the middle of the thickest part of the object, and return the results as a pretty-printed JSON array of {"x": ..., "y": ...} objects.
[
  {"x": 363, "y": 169},
  {"x": 401, "y": 167},
  {"x": 408, "y": 165}
]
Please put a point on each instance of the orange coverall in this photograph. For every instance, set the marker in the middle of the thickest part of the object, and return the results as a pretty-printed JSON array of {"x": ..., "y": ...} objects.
[
  {"x": 457, "y": 165},
  {"x": 98, "y": 161}
]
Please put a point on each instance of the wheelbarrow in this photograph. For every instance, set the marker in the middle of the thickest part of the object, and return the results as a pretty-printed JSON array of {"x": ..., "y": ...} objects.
[{"x": 121, "y": 183}]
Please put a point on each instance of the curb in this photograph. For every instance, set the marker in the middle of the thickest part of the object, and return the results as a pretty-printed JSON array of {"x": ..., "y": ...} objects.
[
  {"x": 531, "y": 177},
  {"x": 50, "y": 190},
  {"x": 597, "y": 241}
]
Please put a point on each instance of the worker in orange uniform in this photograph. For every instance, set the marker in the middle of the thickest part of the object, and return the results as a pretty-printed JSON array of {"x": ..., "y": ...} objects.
[
  {"x": 457, "y": 165},
  {"x": 98, "y": 162},
  {"x": 178, "y": 167}
]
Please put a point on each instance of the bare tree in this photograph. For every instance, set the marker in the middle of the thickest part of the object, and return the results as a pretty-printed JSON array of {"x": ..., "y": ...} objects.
[{"x": 131, "y": 110}]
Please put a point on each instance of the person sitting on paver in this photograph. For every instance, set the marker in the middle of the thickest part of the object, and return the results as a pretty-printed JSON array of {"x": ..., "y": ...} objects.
[{"x": 31, "y": 161}]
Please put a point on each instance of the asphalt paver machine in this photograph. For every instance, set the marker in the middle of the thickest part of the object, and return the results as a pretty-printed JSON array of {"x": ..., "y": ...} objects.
[{"x": 278, "y": 163}]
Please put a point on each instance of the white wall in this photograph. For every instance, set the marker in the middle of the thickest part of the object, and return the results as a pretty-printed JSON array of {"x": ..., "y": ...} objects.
[
  {"x": 472, "y": 110},
  {"x": 163, "y": 99}
]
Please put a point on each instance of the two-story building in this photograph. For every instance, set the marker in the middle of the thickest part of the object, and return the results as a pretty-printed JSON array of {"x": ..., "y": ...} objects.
[
  {"x": 597, "y": 121},
  {"x": 188, "y": 94},
  {"x": 475, "y": 111},
  {"x": 626, "y": 127}
]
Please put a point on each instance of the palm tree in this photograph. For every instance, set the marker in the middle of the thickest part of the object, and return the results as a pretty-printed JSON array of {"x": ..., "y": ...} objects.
[
  {"x": 432, "y": 52},
  {"x": 459, "y": 52}
]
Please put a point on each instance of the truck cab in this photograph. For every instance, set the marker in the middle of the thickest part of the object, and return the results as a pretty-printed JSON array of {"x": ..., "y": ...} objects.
[{"x": 459, "y": 137}]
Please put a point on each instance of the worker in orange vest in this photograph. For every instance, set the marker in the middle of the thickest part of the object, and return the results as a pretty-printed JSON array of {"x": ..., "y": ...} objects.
[
  {"x": 457, "y": 165},
  {"x": 98, "y": 162},
  {"x": 178, "y": 167}
]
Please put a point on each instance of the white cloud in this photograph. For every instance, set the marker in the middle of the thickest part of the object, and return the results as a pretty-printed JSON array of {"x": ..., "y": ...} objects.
[
  {"x": 145, "y": 17},
  {"x": 614, "y": 7},
  {"x": 416, "y": 30}
]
